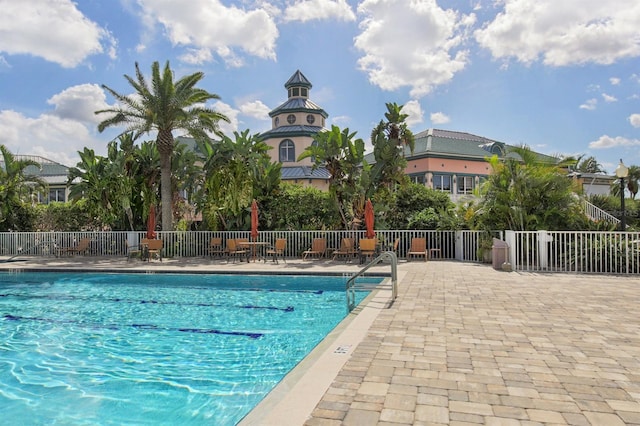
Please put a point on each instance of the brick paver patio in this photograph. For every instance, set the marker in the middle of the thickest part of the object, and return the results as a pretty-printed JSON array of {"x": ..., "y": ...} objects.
[{"x": 465, "y": 344}]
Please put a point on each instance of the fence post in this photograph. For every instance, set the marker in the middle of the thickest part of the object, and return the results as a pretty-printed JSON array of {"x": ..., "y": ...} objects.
[
  {"x": 460, "y": 244},
  {"x": 510, "y": 239},
  {"x": 543, "y": 249}
]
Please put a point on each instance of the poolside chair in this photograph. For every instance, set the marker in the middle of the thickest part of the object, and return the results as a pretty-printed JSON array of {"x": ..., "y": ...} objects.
[
  {"x": 133, "y": 251},
  {"x": 154, "y": 249},
  {"x": 215, "y": 247},
  {"x": 346, "y": 249},
  {"x": 318, "y": 248},
  {"x": 234, "y": 251},
  {"x": 82, "y": 247},
  {"x": 367, "y": 248},
  {"x": 277, "y": 250},
  {"x": 418, "y": 248}
]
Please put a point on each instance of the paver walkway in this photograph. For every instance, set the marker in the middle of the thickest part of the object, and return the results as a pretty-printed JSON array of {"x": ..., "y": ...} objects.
[{"x": 465, "y": 344}]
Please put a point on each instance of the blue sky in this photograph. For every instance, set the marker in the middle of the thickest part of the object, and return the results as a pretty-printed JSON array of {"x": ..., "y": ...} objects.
[{"x": 561, "y": 77}]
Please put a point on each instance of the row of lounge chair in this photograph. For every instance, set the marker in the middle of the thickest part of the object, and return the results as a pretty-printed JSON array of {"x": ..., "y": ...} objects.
[{"x": 368, "y": 248}]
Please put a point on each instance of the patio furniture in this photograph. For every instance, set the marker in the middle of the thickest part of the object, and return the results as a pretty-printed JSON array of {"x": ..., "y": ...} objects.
[
  {"x": 418, "y": 248},
  {"x": 346, "y": 250},
  {"x": 215, "y": 247},
  {"x": 277, "y": 250},
  {"x": 133, "y": 251},
  {"x": 318, "y": 248},
  {"x": 82, "y": 248},
  {"x": 367, "y": 248},
  {"x": 234, "y": 250},
  {"x": 154, "y": 249}
]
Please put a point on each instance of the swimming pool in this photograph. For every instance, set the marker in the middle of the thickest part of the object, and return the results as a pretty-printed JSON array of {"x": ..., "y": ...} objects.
[{"x": 154, "y": 349}]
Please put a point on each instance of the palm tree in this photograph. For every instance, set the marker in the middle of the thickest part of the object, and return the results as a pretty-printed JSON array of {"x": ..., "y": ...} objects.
[
  {"x": 342, "y": 155},
  {"x": 15, "y": 186},
  {"x": 389, "y": 139},
  {"x": 164, "y": 106}
]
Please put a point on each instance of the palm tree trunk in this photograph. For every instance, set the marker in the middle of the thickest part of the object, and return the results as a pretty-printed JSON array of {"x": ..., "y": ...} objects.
[{"x": 164, "y": 142}]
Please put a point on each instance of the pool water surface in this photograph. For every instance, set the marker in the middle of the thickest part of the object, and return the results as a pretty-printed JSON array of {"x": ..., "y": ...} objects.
[{"x": 111, "y": 349}]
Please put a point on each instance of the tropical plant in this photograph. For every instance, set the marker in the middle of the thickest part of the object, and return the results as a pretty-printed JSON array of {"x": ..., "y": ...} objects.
[
  {"x": 164, "y": 106},
  {"x": 343, "y": 156},
  {"x": 527, "y": 192},
  {"x": 16, "y": 188},
  {"x": 389, "y": 139},
  {"x": 414, "y": 206},
  {"x": 235, "y": 172}
]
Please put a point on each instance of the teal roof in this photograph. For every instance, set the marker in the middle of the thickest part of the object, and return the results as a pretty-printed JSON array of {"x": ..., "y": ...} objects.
[
  {"x": 290, "y": 131},
  {"x": 298, "y": 105},
  {"x": 304, "y": 172},
  {"x": 298, "y": 79}
]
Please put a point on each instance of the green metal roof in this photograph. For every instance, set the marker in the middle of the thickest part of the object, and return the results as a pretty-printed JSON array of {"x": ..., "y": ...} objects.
[{"x": 298, "y": 79}]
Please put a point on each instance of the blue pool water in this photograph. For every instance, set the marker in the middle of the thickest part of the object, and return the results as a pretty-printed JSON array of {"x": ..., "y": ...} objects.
[{"x": 112, "y": 349}]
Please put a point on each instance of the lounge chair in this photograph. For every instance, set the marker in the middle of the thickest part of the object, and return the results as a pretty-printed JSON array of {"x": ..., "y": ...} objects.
[
  {"x": 278, "y": 250},
  {"x": 133, "y": 251},
  {"x": 154, "y": 248},
  {"x": 318, "y": 248},
  {"x": 418, "y": 248},
  {"x": 367, "y": 248},
  {"x": 82, "y": 248},
  {"x": 346, "y": 249},
  {"x": 233, "y": 250},
  {"x": 215, "y": 247}
]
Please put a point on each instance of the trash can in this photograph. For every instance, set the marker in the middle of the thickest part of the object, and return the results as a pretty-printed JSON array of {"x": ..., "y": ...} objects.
[{"x": 499, "y": 253}]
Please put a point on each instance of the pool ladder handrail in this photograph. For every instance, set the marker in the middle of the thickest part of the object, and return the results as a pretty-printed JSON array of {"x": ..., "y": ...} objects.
[{"x": 352, "y": 286}]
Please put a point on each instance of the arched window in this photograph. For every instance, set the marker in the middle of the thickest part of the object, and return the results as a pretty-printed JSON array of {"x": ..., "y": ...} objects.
[{"x": 287, "y": 151}]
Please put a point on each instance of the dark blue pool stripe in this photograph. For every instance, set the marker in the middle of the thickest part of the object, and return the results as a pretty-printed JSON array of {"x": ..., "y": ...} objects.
[
  {"x": 150, "y": 302},
  {"x": 10, "y": 317}
]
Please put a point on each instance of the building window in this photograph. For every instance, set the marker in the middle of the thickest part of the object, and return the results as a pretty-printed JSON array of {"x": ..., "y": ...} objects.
[
  {"x": 56, "y": 194},
  {"x": 287, "y": 151},
  {"x": 304, "y": 92},
  {"x": 295, "y": 91},
  {"x": 417, "y": 178},
  {"x": 291, "y": 118},
  {"x": 442, "y": 182},
  {"x": 465, "y": 184},
  {"x": 277, "y": 121},
  {"x": 310, "y": 119}
]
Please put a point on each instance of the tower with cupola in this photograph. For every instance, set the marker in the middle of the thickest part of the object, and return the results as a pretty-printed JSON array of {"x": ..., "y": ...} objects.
[{"x": 293, "y": 126}]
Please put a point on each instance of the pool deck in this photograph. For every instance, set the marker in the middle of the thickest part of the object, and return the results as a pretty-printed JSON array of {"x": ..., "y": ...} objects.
[{"x": 463, "y": 344}]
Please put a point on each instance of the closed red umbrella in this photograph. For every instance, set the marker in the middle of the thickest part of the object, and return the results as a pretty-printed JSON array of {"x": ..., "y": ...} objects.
[
  {"x": 369, "y": 220},
  {"x": 151, "y": 223},
  {"x": 254, "y": 220}
]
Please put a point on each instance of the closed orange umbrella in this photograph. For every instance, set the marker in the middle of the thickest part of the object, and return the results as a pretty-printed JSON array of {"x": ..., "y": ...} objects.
[
  {"x": 151, "y": 223},
  {"x": 254, "y": 220},
  {"x": 369, "y": 220}
]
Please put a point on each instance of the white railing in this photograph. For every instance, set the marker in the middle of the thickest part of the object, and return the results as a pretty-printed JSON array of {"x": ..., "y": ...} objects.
[
  {"x": 558, "y": 251},
  {"x": 596, "y": 214},
  {"x": 577, "y": 252}
]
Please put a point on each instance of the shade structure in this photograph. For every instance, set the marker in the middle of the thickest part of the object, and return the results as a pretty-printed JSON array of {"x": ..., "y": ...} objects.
[
  {"x": 254, "y": 220},
  {"x": 369, "y": 220},
  {"x": 151, "y": 223}
]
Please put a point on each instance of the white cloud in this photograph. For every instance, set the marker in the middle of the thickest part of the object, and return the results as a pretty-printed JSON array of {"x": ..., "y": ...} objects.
[
  {"x": 79, "y": 103},
  {"x": 609, "y": 98},
  {"x": 307, "y": 10},
  {"x": 415, "y": 44},
  {"x": 255, "y": 109},
  {"x": 54, "y": 30},
  {"x": 414, "y": 110},
  {"x": 606, "y": 142},
  {"x": 563, "y": 32},
  {"x": 207, "y": 27},
  {"x": 615, "y": 81},
  {"x": 439, "y": 118},
  {"x": 46, "y": 135},
  {"x": 634, "y": 119},
  {"x": 231, "y": 113},
  {"x": 589, "y": 105}
]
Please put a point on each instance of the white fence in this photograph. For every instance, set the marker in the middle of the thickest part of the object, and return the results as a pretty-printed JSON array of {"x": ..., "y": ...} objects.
[
  {"x": 577, "y": 252},
  {"x": 560, "y": 251}
]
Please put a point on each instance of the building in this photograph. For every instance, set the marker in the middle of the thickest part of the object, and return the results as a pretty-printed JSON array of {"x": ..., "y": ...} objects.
[
  {"x": 293, "y": 126},
  {"x": 55, "y": 175}
]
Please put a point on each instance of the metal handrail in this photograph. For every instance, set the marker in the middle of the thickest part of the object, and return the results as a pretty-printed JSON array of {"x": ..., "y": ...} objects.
[{"x": 350, "y": 287}]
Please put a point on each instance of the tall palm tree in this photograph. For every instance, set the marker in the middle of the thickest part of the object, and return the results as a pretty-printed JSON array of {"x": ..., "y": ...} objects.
[{"x": 164, "y": 106}]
